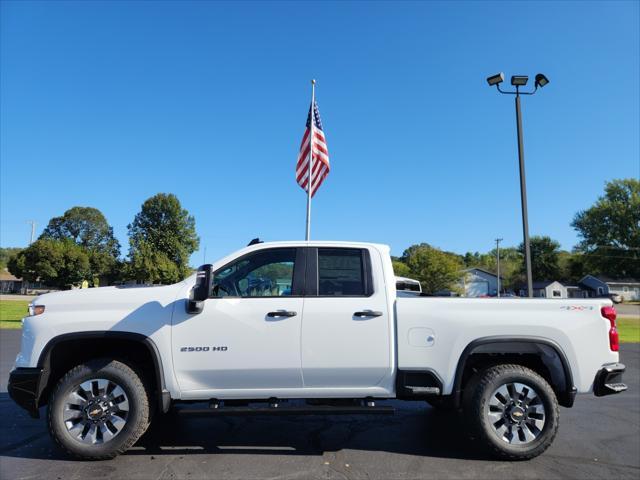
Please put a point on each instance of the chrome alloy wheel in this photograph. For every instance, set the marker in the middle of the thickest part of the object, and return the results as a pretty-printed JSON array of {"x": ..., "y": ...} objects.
[
  {"x": 96, "y": 411},
  {"x": 516, "y": 413}
]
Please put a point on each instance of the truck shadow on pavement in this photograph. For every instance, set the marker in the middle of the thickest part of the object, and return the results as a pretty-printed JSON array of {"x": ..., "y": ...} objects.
[{"x": 416, "y": 429}]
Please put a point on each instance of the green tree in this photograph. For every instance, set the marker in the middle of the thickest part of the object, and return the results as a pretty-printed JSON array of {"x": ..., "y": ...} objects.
[
  {"x": 573, "y": 267},
  {"x": 472, "y": 260},
  {"x": 88, "y": 228},
  {"x": 610, "y": 231},
  {"x": 6, "y": 254},
  {"x": 400, "y": 269},
  {"x": 162, "y": 237},
  {"x": 56, "y": 263},
  {"x": 544, "y": 258},
  {"x": 150, "y": 265},
  {"x": 436, "y": 270}
]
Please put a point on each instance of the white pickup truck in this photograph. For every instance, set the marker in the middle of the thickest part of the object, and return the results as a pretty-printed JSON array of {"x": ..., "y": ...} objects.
[{"x": 307, "y": 328}]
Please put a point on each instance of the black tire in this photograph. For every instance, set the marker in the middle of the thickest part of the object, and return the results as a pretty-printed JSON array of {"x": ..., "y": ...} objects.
[
  {"x": 137, "y": 419},
  {"x": 480, "y": 391}
]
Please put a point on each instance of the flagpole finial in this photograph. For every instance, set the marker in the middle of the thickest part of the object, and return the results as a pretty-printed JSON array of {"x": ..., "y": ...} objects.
[{"x": 313, "y": 81}]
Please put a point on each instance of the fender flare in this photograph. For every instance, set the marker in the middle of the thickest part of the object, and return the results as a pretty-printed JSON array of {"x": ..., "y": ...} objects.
[
  {"x": 44, "y": 360},
  {"x": 518, "y": 344}
]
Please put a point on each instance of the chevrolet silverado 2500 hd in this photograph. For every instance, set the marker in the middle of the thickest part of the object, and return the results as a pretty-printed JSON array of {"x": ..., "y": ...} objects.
[{"x": 317, "y": 324}]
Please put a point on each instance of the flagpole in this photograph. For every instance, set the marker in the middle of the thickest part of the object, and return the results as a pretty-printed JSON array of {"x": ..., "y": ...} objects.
[{"x": 311, "y": 125}]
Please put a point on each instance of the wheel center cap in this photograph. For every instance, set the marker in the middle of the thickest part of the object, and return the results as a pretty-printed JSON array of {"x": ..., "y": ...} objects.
[
  {"x": 517, "y": 414},
  {"x": 95, "y": 412}
]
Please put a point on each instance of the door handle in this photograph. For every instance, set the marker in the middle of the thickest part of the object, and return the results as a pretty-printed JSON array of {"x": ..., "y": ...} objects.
[
  {"x": 368, "y": 313},
  {"x": 282, "y": 313}
]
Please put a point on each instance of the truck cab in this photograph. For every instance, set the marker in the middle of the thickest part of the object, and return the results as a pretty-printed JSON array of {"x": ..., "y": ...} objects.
[{"x": 321, "y": 325}]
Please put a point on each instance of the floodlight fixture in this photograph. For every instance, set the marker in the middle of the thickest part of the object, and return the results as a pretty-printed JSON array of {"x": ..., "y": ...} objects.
[
  {"x": 541, "y": 80},
  {"x": 519, "y": 80},
  {"x": 496, "y": 79}
]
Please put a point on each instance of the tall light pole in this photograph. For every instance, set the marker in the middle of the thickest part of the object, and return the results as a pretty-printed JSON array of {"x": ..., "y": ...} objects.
[
  {"x": 498, "y": 240},
  {"x": 520, "y": 81},
  {"x": 33, "y": 230}
]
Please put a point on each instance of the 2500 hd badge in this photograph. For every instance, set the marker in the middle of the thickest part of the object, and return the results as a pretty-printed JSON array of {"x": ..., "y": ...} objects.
[{"x": 204, "y": 349}]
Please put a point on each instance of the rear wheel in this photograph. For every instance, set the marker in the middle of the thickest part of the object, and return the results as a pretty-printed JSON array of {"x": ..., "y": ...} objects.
[
  {"x": 513, "y": 410},
  {"x": 98, "y": 409}
]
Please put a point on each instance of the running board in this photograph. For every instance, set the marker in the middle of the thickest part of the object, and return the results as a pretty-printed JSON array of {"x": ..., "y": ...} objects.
[
  {"x": 424, "y": 390},
  {"x": 301, "y": 410}
]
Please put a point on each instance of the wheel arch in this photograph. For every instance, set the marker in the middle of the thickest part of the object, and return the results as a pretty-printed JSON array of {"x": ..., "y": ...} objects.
[
  {"x": 549, "y": 353},
  {"x": 106, "y": 339}
]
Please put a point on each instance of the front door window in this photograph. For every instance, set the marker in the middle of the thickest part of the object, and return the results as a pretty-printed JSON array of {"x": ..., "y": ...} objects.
[{"x": 266, "y": 273}]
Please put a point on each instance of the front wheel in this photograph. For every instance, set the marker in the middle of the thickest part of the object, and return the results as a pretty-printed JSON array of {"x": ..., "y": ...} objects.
[
  {"x": 98, "y": 409},
  {"x": 513, "y": 410}
]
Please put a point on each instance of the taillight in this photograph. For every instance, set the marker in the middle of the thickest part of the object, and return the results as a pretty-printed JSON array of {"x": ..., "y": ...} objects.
[{"x": 614, "y": 340}]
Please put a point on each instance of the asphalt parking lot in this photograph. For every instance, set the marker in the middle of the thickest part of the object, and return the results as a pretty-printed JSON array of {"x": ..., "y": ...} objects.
[{"x": 599, "y": 438}]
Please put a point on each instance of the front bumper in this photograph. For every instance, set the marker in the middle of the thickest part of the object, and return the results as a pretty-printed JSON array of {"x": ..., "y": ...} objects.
[
  {"x": 25, "y": 387},
  {"x": 609, "y": 380}
]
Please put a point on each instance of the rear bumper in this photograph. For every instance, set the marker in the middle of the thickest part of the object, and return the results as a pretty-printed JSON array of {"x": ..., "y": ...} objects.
[
  {"x": 25, "y": 388},
  {"x": 609, "y": 380}
]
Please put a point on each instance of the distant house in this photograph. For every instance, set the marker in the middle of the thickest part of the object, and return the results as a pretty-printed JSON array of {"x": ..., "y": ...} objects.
[
  {"x": 627, "y": 288},
  {"x": 574, "y": 291},
  {"x": 546, "y": 289},
  {"x": 477, "y": 282},
  {"x": 9, "y": 283}
]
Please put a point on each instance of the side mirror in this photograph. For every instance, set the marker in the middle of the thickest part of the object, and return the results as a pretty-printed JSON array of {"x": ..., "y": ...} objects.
[{"x": 202, "y": 289}]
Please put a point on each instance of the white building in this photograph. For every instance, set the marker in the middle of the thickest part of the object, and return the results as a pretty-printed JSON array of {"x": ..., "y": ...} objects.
[
  {"x": 477, "y": 283},
  {"x": 546, "y": 289}
]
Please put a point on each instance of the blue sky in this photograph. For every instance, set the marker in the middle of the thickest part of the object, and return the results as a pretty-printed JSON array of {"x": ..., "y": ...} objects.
[{"x": 104, "y": 104}]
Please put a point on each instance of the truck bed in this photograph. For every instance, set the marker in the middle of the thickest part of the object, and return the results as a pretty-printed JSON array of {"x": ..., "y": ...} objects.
[{"x": 435, "y": 331}]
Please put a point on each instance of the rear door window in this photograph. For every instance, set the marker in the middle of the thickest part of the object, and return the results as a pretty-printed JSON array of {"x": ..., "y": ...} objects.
[{"x": 341, "y": 272}]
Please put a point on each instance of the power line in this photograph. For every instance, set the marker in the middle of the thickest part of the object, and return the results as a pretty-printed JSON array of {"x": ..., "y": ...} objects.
[
  {"x": 617, "y": 248},
  {"x": 608, "y": 256}
]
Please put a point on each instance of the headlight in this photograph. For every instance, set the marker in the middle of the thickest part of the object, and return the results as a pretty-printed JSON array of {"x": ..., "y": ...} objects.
[{"x": 35, "y": 310}]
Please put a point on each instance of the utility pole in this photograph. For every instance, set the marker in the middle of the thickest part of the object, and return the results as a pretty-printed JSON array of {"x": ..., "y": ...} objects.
[
  {"x": 33, "y": 230},
  {"x": 498, "y": 240}
]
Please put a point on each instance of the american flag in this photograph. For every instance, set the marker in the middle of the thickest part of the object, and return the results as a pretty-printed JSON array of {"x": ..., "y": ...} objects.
[{"x": 320, "y": 154}]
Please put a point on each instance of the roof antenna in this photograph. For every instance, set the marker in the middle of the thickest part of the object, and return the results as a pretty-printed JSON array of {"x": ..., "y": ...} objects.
[{"x": 255, "y": 241}]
